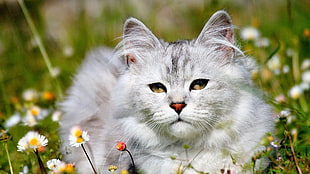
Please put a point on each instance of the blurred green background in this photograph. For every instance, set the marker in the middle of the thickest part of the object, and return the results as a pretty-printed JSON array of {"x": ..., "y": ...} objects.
[{"x": 71, "y": 28}]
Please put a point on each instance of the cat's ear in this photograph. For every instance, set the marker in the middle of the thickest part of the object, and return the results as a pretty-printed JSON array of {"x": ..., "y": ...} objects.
[
  {"x": 137, "y": 38},
  {"x": 219, "y": 26}
]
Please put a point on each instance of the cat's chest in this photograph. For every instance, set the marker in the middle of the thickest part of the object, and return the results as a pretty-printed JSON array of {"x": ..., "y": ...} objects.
[{"x": 182, "y": 158}]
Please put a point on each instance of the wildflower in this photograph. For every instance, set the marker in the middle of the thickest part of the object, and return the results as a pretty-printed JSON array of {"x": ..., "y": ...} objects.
[
  {"x": 31, "y": 141},
  {"x": 286, "y": 69},
  {"x": 30, "y": 95},
  {"x": 305, "y": 64},
  {"x": 13, "y": 120},
  {"x": 121, "y": 146},
  {"x": 285, "y": 113},
  {"x": 294, "y": 133},
  {"x": 56, "y": 116},
  {"x": 290, "y": 119},
  {"x": 25, "y": 170},
  {"x": 47, "y": 95},
  {"x": 249, "y": 33},
  {"x": 280, "y": 98},
  {"x": 30, "y": 120},
  {"x": 34, "y": 114},
  {"x": 304, "y": 86},
  {"x": 274, "y": 144},
  {"x": 69, "y": 168},
  {"x": 124, "y": 172},
  {"x": 262, "y": 42},
  {"x": 68, "y": 51},
  {"x": 78, "y": 137},
  {"x": 63, "y": 167},
  {"x": 306, "y": 32},
  {"x": 295, "y": 92},
  {"x": 306, "y": 76},
  {"x": 274, "y": 64},
  {"x": 53, "y": 163},
  {"x": 112, "y": 168},
  {"x": 55, "y": 71},
  {"x": 290, "y": 52}
]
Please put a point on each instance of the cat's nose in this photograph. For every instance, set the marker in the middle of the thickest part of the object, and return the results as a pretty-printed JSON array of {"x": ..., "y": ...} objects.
[{"x": 178, "y": 107}]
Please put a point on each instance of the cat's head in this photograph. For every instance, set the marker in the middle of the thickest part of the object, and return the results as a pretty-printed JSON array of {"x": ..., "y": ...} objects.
[{"x": 185, "y": 88}]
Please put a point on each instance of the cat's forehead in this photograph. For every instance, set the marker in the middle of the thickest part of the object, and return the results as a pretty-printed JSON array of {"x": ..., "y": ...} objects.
[
  {"x": 177, "y": 55},
  {"x": 178, "y": 61}
]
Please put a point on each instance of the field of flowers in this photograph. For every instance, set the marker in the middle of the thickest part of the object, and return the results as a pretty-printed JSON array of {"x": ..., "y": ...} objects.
[{"x": 42, "y": 43}]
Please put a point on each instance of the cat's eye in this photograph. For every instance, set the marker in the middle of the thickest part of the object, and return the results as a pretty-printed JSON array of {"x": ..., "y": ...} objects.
[
  {"x": 198, "y": 84},
  {"x": 158, "y": 87}
]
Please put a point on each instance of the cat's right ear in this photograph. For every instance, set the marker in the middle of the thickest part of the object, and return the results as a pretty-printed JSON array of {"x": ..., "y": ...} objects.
[{"x": 137, "y": 39}]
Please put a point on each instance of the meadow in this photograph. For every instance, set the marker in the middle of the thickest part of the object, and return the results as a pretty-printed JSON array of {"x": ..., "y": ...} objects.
[{"x": 40, "y": 52}]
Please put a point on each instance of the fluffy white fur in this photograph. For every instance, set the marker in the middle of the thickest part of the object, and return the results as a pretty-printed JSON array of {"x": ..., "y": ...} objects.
[{"x": 111, "y": 99}]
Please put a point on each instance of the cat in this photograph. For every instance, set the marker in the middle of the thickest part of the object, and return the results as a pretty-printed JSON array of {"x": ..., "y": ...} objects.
[{"x": 161, "y": 97}]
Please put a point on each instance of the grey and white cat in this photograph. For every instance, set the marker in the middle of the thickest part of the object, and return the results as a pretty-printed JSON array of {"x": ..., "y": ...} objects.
[{"x": 157, "y": 97}]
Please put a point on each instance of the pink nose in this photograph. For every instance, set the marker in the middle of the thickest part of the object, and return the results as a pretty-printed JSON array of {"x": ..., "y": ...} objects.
[{"x": 178, "y": 107}]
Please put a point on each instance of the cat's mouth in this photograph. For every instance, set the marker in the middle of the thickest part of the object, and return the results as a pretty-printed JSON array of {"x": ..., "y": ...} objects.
[{"x": 179, "y": 120}]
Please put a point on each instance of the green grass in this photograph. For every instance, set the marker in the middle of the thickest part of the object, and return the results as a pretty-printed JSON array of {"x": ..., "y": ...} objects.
[{"x": 67, "y": 36}]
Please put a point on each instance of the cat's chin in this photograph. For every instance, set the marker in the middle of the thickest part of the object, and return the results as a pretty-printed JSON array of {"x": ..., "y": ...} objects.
[{"x": 183, "y": 130}]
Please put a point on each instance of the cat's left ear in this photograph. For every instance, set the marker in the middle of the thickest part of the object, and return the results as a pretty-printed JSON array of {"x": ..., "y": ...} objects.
[
  {"x": 219, "y": 26},
  {"x": 137, "y": 39}
]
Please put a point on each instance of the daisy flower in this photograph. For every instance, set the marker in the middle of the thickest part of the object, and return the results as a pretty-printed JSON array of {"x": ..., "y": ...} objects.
[
  {"x": 305, "y": 64},
  {"x": 31, "y": 141},
  {"x": 63, "y": 167},
  {"x": 306, "y": 76},
  {"x": 34, "y": 114},
  {"x": 25, "y": 170},
  {"x": 53, "y": 163},
  {"x": 274, "y": 64},
  {"x": 249, "y": 33},
  {"x": 55, "y": 71},
  {"x": 262, "y": 42},
  {"x": 295, "y": 92},
  {"x": 13, "y": 120},
  {"x": 30, "y": 95},
  {"x": 56, "y": 116},
  {"x": 78, "y": 136}
]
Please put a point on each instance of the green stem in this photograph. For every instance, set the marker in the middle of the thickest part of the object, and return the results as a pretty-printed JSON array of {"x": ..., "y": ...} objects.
[
  {"x": 42, "y": 168},
  {"x": 9, "y": 159},
  {"x": 89, "y": 159},
  {"x": 132, "y": 161},
  {"x": 304, "y": 104},
  {"x": 40, "y": 44}
]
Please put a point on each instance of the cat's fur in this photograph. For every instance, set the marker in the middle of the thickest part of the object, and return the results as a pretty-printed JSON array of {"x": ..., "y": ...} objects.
[{"x": 111, "y": 99}]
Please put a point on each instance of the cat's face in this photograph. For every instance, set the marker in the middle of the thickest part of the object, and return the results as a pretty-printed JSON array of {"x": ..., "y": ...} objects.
[{"x": 182, "y": 89}]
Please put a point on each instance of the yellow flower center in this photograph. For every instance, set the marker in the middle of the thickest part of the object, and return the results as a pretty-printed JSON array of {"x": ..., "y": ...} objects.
[
  {"x": 76, "y": 131},
  {"x": 295, "y": 95},
  {"x": 35, "y": 111},
  {"x": 79, "y": 140},
  {"x": 69, "y": 168},
  {"x": 48, "y": 95},
  {"x": 62, "y": 168},
  {"x": 34, "y": 142},
  {"x": 124, "y": 172}
]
